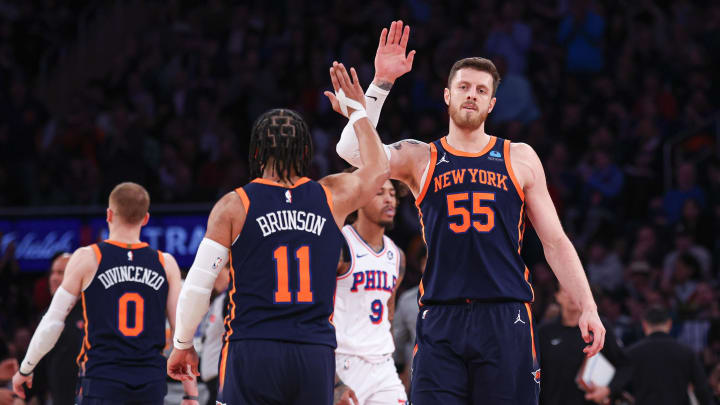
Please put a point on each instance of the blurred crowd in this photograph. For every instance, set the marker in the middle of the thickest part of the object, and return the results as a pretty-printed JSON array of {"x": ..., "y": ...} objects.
[{"x": 599, "y": 89}]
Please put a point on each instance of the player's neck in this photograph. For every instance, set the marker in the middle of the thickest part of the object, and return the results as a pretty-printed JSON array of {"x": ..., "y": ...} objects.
[
  {"x": 471, "y": 141},
  {"x": 371, "y": 232},
  {"x": 270, "y": 174},
  {"x": 125, "y": 234}
]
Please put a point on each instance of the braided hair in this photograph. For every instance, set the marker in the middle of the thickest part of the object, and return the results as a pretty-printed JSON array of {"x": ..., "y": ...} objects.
[{"x": 283, "y": 135}]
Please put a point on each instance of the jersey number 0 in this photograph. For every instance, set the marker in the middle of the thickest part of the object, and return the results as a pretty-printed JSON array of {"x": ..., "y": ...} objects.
[{"x": 123, "y": 322}]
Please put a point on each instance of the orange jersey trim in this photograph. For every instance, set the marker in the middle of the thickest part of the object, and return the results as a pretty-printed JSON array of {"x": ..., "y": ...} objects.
[
  {"x": 428, "y": 177},
  {"x": 532, "y": 332},
  {"x": 161, "y": 258},
  {"x": 328, "y": 195},
  {"x": 228, "y": 325},
  {"x": 261, "y": 180},
  {"x": 508, "y": 166},
  {"x": 83, "y": 357},
  {"x": 520, "y": 239},
  {"x": 457, "y": 152},
  {"x": 422, "y": 292},
  {"x": 126, "y": 245},
  {"x": 244, "y": 198},
  {"x": 98, "y": 254}
]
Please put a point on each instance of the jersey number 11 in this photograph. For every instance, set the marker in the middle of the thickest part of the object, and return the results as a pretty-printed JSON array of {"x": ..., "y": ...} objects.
[{"x": 282, "y": 293}]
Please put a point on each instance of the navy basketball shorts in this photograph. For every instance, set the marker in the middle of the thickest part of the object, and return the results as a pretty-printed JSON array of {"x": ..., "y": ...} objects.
[
  {"x": 267, "y": 372},
  {"x": 475, "y": 353},
  {"x": 96, "y": 391}
]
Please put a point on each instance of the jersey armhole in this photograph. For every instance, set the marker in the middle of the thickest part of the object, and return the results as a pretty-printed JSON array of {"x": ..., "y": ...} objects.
[
  {"x": 425, "y": 183},
  {"x": 352, "y": 257},
  {"x": 161, "y": 258},
  {"x": 98, "y": 254},
  {"x": 244, "y": 198},
  {"x": 508, "y": 166},
  {"x": 328, "y": 197}
]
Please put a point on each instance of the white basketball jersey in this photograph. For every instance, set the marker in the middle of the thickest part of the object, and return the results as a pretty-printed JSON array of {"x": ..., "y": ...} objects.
[{"x": 361, "y": 314}]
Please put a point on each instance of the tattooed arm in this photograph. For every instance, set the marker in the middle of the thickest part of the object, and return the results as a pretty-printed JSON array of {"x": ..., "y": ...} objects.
[{"x": 408, "y": 158}]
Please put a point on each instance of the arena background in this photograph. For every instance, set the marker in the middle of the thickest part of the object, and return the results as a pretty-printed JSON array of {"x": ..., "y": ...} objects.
[{"x": 619, "y": 98}]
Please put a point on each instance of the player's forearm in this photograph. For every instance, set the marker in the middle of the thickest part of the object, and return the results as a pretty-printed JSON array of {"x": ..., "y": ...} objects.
[
  {"x": 348, "y": 147},
  {"x": 565, "y": 263},
  {"x": 194, "y": 299},
  {"x": 375, "y": 161},
  {"x": 49, "y": 330}
]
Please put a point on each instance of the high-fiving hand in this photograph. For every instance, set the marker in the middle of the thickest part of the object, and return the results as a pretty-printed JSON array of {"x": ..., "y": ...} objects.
[
  {"x": 390, "y": 59},
  {"x": 351, "y": 88}
]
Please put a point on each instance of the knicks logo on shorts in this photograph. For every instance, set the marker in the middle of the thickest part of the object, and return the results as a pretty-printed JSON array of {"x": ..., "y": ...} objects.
[{"x": 536, "y": 375}]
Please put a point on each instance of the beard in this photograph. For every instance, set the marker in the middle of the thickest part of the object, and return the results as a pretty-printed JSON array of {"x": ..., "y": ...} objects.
[{"x": 466, "y": 119}]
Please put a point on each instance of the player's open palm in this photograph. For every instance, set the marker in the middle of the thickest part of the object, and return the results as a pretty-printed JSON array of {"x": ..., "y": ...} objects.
[
  {"x": 590, "y": 323},
  {"x": 391, "y": 61},
  {"x": 348, "y": 95},
  {"x": 182, "y": 365}
]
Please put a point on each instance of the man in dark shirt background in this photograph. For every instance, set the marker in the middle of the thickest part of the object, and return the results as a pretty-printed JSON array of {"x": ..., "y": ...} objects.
[
  {"x": 561, "y": 357},
  {"x": 57, "y": 373},
  {"x": 663, "y": 368}
]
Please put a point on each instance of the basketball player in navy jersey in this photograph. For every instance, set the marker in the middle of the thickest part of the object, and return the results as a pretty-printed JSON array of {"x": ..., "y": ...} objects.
[
  {"x": 281, "y": 234},
  {"x": 475, "y": 342},
  {"x": 127, "y": 290}
]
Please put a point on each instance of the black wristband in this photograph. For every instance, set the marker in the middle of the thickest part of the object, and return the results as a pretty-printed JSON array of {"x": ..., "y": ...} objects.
[
  {"x": 191, "y": 397},
  {"x": 23, "y": 374},
  {"x": 339, "y": 384}
]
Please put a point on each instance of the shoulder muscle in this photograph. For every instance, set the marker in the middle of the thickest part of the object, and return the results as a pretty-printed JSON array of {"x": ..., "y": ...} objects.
[{"x": 408, "y": 159}]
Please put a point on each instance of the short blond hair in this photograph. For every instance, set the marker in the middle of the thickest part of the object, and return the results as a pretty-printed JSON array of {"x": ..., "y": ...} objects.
[{"x": 130, "y": 201}]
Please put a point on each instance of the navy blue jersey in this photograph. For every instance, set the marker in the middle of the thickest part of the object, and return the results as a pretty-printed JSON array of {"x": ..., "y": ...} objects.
[
  {"x": 471, "y": 210},
  {"x": 284, "y": 264},
  {"x": 124, "y": 308}
]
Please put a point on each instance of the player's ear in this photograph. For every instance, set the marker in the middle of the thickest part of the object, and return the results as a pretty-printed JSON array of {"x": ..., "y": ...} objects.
[
  {"x": 446, "y": 96},
  {"x": 492, "y": 104},
  {"x": 146, "y": 219},
  {"x": 109, "y": 216}
]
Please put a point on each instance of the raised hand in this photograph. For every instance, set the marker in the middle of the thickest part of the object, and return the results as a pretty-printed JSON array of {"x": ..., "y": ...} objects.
[
  {"x": 350, "y": 88},
  {"x": 390, "y": 59}
]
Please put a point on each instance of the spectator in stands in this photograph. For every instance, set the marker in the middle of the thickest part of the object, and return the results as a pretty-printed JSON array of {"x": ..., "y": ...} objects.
[
  {"x": 663, "y": 369},
  {"x": 685, "y": 245},
  {"x": 510, "y": 38},
  {"x": 581, "y": 32},
  {"x": 686, "y": 188},
  {"x": 604, "y": 268}
]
